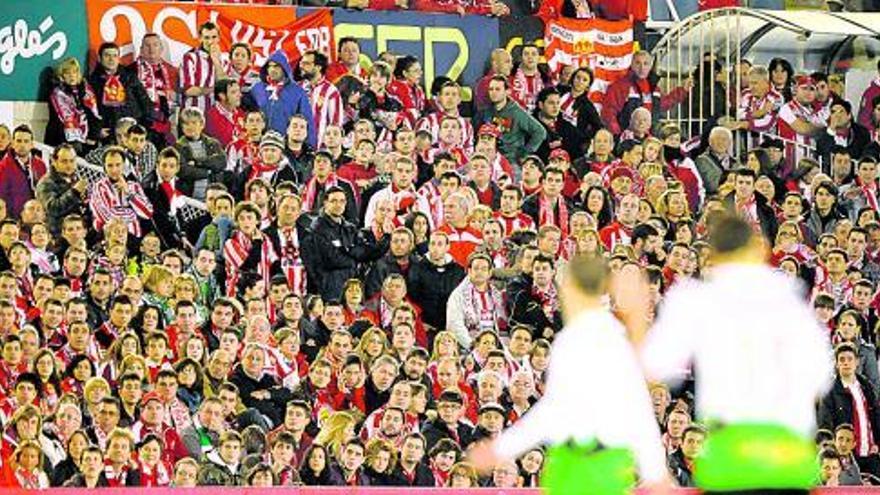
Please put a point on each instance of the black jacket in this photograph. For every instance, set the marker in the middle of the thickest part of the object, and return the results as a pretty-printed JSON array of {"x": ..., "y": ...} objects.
[
  {"x": 136, "y": 105},
  {"x": 531, "y": 207},
  {"x": 836, "y": 407},
  {"x": 191, "y": 170},
  {"x": 857, "y": 144},
  {"x": 766, "y": 216},
  {"x": 163, "y": 223},
  {"x": 562, "y": 134},
  {"x": 430, "y": 285},
  {"x": 274, "y": 406},
  {"x": 528, "y": 310},
  {"x": 437, "y": 430},
  {"x": 679, "y": 469},
  {"x": 335, "y": 252},
  {"x": 387, "y": 265},
  {"x": 423, "y": 476}
]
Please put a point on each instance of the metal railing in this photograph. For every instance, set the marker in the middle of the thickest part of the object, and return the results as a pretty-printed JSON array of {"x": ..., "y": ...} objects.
[{"x": 191, "y": 209}]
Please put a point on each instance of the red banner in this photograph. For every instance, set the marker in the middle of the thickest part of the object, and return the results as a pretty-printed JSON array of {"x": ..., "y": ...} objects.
[{"x": 265, "y": 28}]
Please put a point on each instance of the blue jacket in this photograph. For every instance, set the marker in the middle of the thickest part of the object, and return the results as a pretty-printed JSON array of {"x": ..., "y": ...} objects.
[{"x": 292, "y": 99}]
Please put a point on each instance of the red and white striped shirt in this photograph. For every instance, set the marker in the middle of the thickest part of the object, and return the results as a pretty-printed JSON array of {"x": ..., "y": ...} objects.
[
  {"x": 107, "y": 202},
  {"x": 749, "y": 104},
  {"x": 431, "y": 192},
  {"x": 431, "y": 123},
  {"x": 566, "y": 107},
  {"x": 519, "y": 222},
  {"x": 197, "y": 70},
  {"x": 788, "y": 114},
  {"x": 240, "y": 154},
  {"x": 326, "y": 106}
]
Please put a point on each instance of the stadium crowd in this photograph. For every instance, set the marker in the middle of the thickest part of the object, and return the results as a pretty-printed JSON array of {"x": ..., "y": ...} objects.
[{"x": 372, "y": 286}]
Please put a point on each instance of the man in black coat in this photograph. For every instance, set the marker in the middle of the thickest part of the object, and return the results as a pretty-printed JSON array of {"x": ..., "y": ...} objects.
[
  {"x": 431, "y": 280},
  {"x": 412, "y": 470},
  {"x": 843, "y": 131},
  {"x": 162, "y": 190},
  {"x": 538, "y": 307},
  {"x": 448, "y": 422},
  {"x": 398, "y": 260},
  {"x": 851, "y": 400},
  {"x": 560, "y": 132},
  {"x": 335, "y": 247},
  {"x": 119, "y": 93},
  {"x": 751, "y": 205}
]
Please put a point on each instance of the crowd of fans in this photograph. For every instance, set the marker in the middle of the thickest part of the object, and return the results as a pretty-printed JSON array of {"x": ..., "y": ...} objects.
[{"x": 372, "y": 286}]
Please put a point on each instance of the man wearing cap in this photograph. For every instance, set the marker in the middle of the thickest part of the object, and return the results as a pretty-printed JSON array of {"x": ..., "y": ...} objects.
[
  {"x": 595, "y": 443},
  {"x": 490, "y": 421},
  {"x": 521, "y": 134},
  {"x": 448, "y": 423},
  {"x": 765, "y": 344},
  {"x": 487, "y": 144},
  {"x": 799, "y": 123},
  {"x": 559, "y": 158},
  {"x": 561, "y": 134},
  {"x": 152, "y": 420},
  {"x": 271, "y": 164}
]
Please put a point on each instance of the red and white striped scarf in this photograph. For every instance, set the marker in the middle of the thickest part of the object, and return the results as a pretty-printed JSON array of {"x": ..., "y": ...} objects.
[
  {"x": 870, "y": 192},
  {"x": 115, "y": 478},
  {"x": 524, "y": 89},
  {"x": 404, "y": 200},
  {"x": 158, "y": 475},
  {"x": 310, "y": 197},
  {"x": 482, "y": 310},
  {"x": 291, "y": 262},
  {"x": 431, "y": 192},
  {"x": 156, "y": 80},
  {"x": 71, "y": 105},
  {"x": 236, "y": 252},
  {"x": 547, "y": 216}
]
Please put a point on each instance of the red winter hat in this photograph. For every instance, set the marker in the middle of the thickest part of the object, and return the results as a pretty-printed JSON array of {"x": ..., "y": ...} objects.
[
  {"x": 151, "y": 396},
  {"x": 560, "y": 153},
  {"x": 805, "y": 81},
  {"x": 622, "y": 172},
  {"x": 489, "y": 130}
]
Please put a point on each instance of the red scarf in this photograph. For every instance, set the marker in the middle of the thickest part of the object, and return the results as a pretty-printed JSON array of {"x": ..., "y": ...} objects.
[
  {"x": 404, "y": 200},
  {"x": 155, "y": 476},
  {"x": 259, "y": 169},
  {"x": 547, "y": 216},
  {"x": 114, "y": 92},
  {"x": 548, "y": 299},
  {"x": 525, "y": 89},
  {"x": 72, "y": 103},
  {"x": 115, "y": 478},
  {"x": 870, "y": 192},
  {"x": 156, "y": 80},
  {"x": 644, "y": 87},
  {"x": 310, "y": 197}
]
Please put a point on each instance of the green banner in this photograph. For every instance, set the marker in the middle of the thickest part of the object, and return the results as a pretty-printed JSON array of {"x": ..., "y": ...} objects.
[{"x": 34, "y": 36}]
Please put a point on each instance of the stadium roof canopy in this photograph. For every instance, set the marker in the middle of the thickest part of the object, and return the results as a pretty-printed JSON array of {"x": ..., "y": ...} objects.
[{"x": 809, "y": 40}]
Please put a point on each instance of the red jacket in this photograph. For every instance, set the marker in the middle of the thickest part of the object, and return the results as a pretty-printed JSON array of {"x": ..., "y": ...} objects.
[
  {"x": 606, "y": 9},
  {"x": 621, "y": 91},
  {"x": 17, "y": 184}
]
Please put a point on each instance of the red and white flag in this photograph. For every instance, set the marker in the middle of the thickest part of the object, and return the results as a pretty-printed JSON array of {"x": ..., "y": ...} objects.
[{"x": 604, "y": 46}]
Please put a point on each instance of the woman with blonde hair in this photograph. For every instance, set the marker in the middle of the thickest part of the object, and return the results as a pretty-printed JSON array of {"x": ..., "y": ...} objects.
[
  {"x": 159, "y": 289},
  {"x": 126, "y": 345},
  {"x": 380, "y": 461},
  {"x": 337, "y": 428},
  {"x": 673, "y": 206},
  {"x": 186, "y": 288},
  {"x": 588, "y": 243},
  {"x": 373, "y": 343},
  {"x": 463, "y": 475},
  {"x": 73, "y": 109}
]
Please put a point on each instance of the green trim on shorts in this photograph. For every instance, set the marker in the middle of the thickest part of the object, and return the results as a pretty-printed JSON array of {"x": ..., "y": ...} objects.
[
  {"x": 586, "y": 469},
  {"x": 754, "y": 456}
]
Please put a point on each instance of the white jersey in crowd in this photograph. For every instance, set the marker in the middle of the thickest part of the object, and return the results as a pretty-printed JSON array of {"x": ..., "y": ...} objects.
[
  {"x": 595, "y": 391},
  {"x": 758, "y": 351}
]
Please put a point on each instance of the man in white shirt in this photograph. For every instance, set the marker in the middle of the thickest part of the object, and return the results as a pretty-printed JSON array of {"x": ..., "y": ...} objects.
[
  {"x": 760, "y": 356},
  {"x": 591, "y": 359}
]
